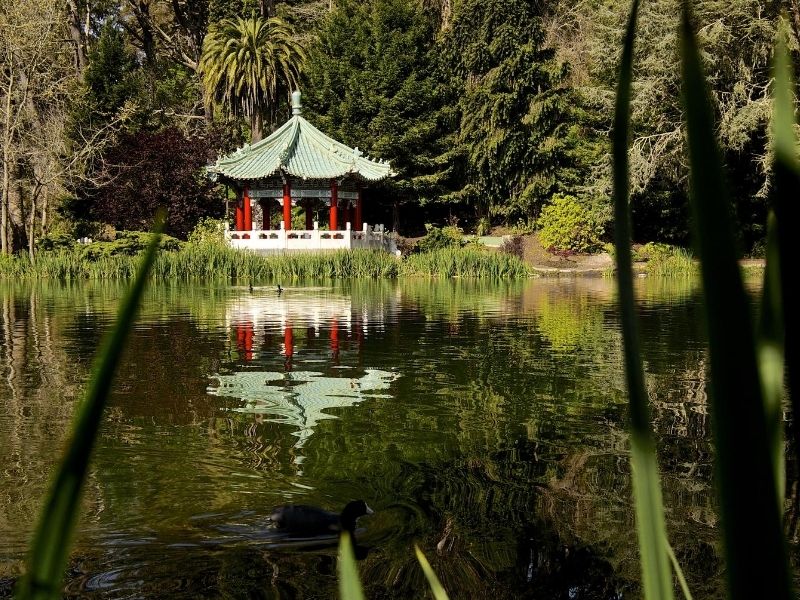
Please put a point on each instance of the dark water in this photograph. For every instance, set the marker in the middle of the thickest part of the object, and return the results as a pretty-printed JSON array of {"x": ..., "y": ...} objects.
[{"x": 485, "y": 422}]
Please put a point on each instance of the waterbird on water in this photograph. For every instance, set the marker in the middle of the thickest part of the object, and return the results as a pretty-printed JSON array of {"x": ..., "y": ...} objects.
[
  {"x": 280, "y": 289},
  {"x": 310, "y": 520}
]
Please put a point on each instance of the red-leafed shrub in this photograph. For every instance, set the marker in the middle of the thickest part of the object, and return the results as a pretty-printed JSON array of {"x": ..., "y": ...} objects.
[{"x": 146, "y": 171}]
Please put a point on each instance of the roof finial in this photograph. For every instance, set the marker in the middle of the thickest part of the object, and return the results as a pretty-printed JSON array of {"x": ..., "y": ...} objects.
[{"x": 297, "y": 108}]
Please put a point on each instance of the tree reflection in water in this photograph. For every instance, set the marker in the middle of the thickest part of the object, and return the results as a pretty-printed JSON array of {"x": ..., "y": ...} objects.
[{"x": 485, "y": 422}]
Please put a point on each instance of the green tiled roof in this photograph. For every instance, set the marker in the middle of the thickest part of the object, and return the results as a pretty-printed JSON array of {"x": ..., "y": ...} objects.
[{"x": 300, "y": 149}]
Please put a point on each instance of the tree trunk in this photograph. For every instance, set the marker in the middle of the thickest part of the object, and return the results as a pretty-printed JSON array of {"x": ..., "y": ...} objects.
[
  {"x": 4, "y": 209},
  {"x": 43, "y": 216},
  {"x": 396, "y": 216},
  {"x": 142, "y": 13},
  {"x": 31, "y": 225},
  {"x": 267, "y": 8},
  {"x": 77, "y": 35},
  {"x": 256, "y": 128},
  {"x": 16, "y": 215}
]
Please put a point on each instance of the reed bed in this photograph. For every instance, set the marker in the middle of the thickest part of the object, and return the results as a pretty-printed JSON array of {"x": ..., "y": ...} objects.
[
  {"x": 678, "y": 262},
  {"x": 219, "y": 263},
  {"x": 465, "y": 262}
]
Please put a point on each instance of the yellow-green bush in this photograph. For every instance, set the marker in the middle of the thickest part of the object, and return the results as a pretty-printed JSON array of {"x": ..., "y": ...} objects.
[{"x": 566, "y": 225}]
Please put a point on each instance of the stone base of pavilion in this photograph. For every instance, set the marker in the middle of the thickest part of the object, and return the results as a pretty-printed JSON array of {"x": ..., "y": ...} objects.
[{"x": 312, "y": 240}]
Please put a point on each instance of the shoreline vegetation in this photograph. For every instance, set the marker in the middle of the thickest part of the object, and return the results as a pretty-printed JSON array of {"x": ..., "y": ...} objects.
[{"x": 216, "y": 262}]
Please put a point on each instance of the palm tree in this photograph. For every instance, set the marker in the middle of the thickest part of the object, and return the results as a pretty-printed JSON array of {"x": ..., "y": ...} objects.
[{"x": 247, "y": 64}]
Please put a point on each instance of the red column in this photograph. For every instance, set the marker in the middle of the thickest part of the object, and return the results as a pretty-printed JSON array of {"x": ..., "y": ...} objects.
[
  {"x": 334, "y": 205},
  {"x": 335, "y": 338},
  {"x": 359, "y": 209},
  {"x": 288, "y": 347},
  {"x": 248, "y": 342},
  {"x": 248, "y": 213},
  {"x": 287, "y": 206},
  {"x": 288, "y": 342},
  {"x": 309, "y": 216},
  {"x": 240, "y": 213}
]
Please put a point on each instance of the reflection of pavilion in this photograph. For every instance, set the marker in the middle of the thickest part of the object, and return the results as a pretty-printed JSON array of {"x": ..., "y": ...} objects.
[
  {"x": 300, "y": 398},
  {"x": 316, "y": 312}
]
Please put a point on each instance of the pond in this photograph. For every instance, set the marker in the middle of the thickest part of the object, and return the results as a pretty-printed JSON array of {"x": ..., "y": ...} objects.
[{"x": 485, "y": 422}]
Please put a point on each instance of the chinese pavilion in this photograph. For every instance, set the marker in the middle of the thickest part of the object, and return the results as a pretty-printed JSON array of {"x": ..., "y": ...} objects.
[{"x": 298, "y": 165}]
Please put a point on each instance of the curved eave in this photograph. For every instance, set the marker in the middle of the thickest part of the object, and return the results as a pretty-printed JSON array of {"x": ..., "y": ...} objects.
[{"x": 301, "y": 150}]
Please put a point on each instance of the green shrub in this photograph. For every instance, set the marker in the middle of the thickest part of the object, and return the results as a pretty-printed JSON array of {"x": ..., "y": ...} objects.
[
  {"x": 208, "y": 231},
  {"x": 483, "y": 227},
  {"x": 565, "y": 224},
  {"x": 522, "y": 227},
  {"x": 127, "y": 243},
  {"x": 438, "y": 238},
  {"x": 55, "y": 241}
]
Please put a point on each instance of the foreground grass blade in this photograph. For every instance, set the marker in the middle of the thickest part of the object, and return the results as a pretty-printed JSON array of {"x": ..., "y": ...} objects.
[
  {"x": 679, "y": 573},
  {"x": 751, "y": 523},
  {"x": 57, "y": 519},
  {"x": 786, "y": 206},
  {"x": 656, "y": 575},
  {"x": 436, "y": 586},
  {"x": 349, "y": 584},
  {"x": 771, "y": 356}
]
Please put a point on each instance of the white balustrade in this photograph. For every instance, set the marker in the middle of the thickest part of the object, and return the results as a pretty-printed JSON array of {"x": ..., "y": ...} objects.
[{"x": 311, "y": 239}]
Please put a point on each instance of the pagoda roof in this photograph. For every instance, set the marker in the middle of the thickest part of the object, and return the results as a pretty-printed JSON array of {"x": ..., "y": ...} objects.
[{"x": 299, "y": 149}]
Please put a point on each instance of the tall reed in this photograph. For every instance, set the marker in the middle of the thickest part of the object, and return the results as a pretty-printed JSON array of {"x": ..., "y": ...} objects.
[
  {"x": 220, "y": 263},
  {"x": 55, "y": 528},
  {"x": 465, "y": 262},
  {"x": 656, "y": 574},
  {"x": 746, "y": 369}
]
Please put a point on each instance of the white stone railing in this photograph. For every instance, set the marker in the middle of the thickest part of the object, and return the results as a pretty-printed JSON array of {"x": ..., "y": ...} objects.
[{"x": 311, "y": 239}]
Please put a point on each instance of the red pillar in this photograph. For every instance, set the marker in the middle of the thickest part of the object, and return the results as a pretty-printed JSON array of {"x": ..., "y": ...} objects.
[
  {"x": 240, "y": 213},
  {"x": 288, "y": 342},
  {"x": 309, "y": 216},
  {"x": 288, "y": 347},
  {"x": 248, "y": 213},
  {"x": 248, "y": 342},
  {"x": 359, "y": 209},
  {"x": 334, "y": 205},
  {"x": 287, "y": 206},
  {"x": 335, "y": 338}
]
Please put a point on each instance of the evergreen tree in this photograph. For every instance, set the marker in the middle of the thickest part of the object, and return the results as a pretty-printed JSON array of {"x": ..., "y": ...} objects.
[
  {"x": 248, "y": 65},
  {"x": 513, "y": 108},
  {"x": 370, "y": 82},
  {"x": 111, "y": 75}
]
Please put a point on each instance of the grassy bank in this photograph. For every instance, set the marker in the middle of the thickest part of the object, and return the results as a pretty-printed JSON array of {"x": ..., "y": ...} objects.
[{"x": 214, "y": 262}]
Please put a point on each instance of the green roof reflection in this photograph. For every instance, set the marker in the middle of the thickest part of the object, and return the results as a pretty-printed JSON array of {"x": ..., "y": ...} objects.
[{"x": 300, "y": 398}]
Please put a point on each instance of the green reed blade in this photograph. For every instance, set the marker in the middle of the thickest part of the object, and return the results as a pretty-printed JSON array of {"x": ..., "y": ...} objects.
[
  {"x": 349, "y": 583},
  {"x": 679, "y": 572},
  {"x": 656, "y": 575},
  {"x": 785, "y": 204},
  {"x": 436, "y": 586},
  {"x": 771, "y": 355},
  {"x": 751, "y": 524},
  {"x": 54, "y": 530}
]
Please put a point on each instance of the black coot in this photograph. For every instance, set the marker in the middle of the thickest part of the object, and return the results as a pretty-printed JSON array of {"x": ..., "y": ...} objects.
[{"x": 310, "y": 520}]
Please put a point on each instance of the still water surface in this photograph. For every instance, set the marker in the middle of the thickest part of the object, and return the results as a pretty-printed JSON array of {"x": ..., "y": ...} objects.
[{"x": 485, "y": 422}]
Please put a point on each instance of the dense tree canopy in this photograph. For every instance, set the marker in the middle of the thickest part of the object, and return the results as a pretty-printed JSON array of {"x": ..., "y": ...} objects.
[
  {"x": 486, "y": 109},
  {"x": 371, "y": 82},
  {"x": 512, "y": 107}
]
